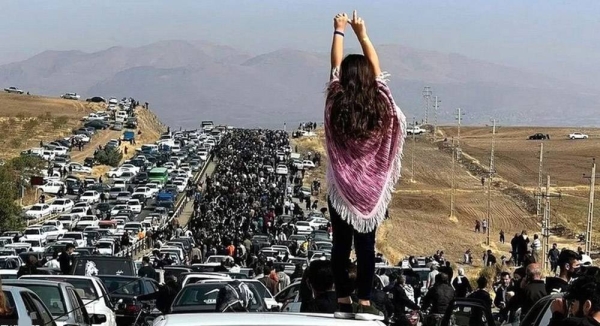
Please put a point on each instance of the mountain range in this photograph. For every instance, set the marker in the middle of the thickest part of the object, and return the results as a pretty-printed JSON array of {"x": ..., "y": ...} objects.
[{"x": 189, "y": 81}]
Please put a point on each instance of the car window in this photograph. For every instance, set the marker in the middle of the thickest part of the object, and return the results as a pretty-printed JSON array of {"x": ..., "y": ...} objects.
[
  {"x": 150, "y": 286},
  {"x": 11, "y": 303},
  {"x": 534, "y": 312},
  {"x": 44, "y": 315},
  {"x": 119, "y": 285},
  {"x": 51, "y": 296},
  {"x": 76, "y": 306}
]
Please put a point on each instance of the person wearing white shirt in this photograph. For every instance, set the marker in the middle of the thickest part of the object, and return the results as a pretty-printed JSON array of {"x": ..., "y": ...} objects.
[{"x": 53, "y": 263}]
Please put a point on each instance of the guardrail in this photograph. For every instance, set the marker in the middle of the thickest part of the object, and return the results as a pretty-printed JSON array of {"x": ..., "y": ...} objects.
[{"x": 144, "y": 244}]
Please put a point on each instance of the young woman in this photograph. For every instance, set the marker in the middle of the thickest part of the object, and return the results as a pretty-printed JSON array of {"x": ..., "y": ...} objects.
[{"x": 365, "y": 131}]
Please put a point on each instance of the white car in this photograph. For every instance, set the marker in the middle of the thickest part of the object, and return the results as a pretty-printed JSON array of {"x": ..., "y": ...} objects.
[
  {"x": 308, "y": 164},
  {"x": 268, "y": 168},
  {"x": 38, "y": 211},
  {"x": 13, "y": 90},
  {"x": 71, "y": 96},
  {"x": 303, "y": 227},
  {"x": 52, "y": 232},
  {"x": 298, "y": 164},
  {"x": 281, "y": 169},
  {"x": 37, "y": 245},
  {"x": 78, "y": 212},
  {"x": 316, "y": 222},
  {"x": 130, "y": 167},
  {"x": 35, "y": 233},
  {"x": 52, "y": 186},
  {"x": 203, "y": 155},
  {"x": 117, "y": 172},
  {"x": 115, "y": 209},
  {"x": 79, "y": 168},
  {"x": 90, "y": 289},
  {"x": 147, "y": 192},
  {"x": 62, "y": 205},
  {"x": 90, "y": 196},
  {"x": 77, "y": 236},
  {"x": 578, "y": 135},
  {"x": 134, "y": 205},
  {"x": 67, "y": 221},
  {"x": 180, "y": 185},
  {"x": 154, "y": 188},
  {"x": 87, "y": 220}
]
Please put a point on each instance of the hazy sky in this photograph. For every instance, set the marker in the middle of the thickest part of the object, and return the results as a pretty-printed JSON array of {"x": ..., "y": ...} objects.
[{"x": 559, "y": 38}]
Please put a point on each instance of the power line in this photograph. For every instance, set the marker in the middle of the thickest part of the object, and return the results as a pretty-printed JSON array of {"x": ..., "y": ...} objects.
[
  {"x": 590, "y": 219},
  {"x": 540, "y": 168},
  {"x": 435, "y": 116},
  {"x": 452, "y": 193}
]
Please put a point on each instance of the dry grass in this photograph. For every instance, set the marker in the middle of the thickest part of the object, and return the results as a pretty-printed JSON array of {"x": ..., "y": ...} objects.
[
  {"x": 420, "y": 222},
  {"x": 27, "y": 120},
  {"x": 517, "y": 162}
]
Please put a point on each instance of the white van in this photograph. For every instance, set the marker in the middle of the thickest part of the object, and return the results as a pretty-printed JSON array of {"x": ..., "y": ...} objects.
[{"x": 121, "y": 116}]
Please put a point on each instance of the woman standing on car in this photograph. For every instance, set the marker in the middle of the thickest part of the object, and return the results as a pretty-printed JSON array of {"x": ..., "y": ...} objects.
[{"x": 365, "y": 132}]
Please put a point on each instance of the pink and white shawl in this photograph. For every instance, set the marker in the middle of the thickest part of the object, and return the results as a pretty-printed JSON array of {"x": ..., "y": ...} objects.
[{"x": 361, "y": 175}]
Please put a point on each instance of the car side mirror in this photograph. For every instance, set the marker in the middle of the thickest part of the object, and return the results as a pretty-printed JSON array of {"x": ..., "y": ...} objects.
[
  {"x": 97, "y": 319},
  {"x": 120, "y": 301}
]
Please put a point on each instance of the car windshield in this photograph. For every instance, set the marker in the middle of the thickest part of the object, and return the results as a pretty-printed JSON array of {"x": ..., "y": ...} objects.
[
  {"x": 75, "y": 236},
  {"x": 87, "y": 218},
  {"x": 8, "y": 263},
  {"x": 122, "y": 285},
  {"x": 35, "y": 208},
  {"x": 51, "y": 296},
  {"x": 32, "y": 231}
]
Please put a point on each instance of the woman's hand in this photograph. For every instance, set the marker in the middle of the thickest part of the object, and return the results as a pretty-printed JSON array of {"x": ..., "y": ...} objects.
[
  {"x": 358, "y": 25},
  {"x": 339, "y": 22}
]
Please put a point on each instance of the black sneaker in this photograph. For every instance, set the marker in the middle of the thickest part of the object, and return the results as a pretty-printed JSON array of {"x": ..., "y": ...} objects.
[
  {"x": 346, "y": 311},
  {"x": 368, "y": 313}
]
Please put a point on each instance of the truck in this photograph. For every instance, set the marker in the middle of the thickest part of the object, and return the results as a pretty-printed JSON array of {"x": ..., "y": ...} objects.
[{"x": 416, "y": 130}]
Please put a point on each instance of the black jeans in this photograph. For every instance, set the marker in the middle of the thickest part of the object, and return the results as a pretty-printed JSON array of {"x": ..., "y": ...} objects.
[{"x": 364, "y": 246}]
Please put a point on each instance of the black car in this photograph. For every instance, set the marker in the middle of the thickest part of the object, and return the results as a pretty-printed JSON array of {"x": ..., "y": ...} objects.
[
  {"x": 140, "y": 178},
  {"x": 104, "y": 209},
  {"x": 126, "y": 288},
  {"x": 89, "y": 162},
  {"x": 96, "y": 99},
  {"x": 539, "y": 136},
  {"x": 97, "y": 124}
]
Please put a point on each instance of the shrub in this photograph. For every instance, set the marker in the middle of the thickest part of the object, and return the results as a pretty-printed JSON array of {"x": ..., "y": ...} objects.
[
  {"x": 31, "y": 124},
  {"x": 46, "y": 116},
  {"x": 20, "y": 116},
  {"x": 110, "y": 156},
  {"x": 16, "y": 142},
  {"x": 59, "y": 122}
]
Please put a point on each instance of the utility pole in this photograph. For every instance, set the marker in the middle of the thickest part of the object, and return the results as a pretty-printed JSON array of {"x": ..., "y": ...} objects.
[
  {"x": 427, "y": 98},
  {"x": 459, "y": 115},
  {"x": 588, "y": 230},
  {"x": 539, "y": 190},
  {"x": 453, "y": 177},
  {"x": 414, "y": 148},
  {"x": 435, "y": 116},
  {"x": 546, "y": 221},
  {"x": 490, "y": 181}
]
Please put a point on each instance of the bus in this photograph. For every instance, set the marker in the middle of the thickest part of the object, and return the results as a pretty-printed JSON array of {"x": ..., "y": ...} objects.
[{"x": 159, "y": 175}]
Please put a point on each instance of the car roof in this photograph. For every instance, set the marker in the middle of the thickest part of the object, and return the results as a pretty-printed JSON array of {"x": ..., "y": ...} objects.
[
  {"x": 16, "y": 282},
  {"x": 260, "y": 319}
]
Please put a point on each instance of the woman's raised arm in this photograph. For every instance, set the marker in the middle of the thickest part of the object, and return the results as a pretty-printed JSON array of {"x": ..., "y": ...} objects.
[
  {"x": 358, "y": 25},
  {"x": 337, "y": 45}
]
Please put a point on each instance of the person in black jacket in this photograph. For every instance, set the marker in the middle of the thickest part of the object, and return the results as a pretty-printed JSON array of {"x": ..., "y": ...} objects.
[
  {"x": 532, "y": 290},
  {"x": 438, "y": 298},
  {"x": 401, "y": 301},
  {"x": 569, "y": 263},
  {"x": 164, "y": 296},
  {"x": 584, "y": 296},
  {"x": 320, "y": 280},
  {"x": 65, "y": 259},
  {"x": 146, "y": 270},
  {"x": 481, "y": 293}
]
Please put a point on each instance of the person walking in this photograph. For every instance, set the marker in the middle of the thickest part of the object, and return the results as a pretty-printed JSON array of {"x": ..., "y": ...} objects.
[{"x": 363, "y": 127}]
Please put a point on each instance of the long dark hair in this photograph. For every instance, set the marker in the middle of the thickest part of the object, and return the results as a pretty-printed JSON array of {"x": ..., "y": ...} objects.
[{"x": 359, "y": 110}]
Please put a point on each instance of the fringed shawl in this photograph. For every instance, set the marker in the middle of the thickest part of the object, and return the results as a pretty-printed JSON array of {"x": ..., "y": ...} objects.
[{"x": 361, "y": 174}]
